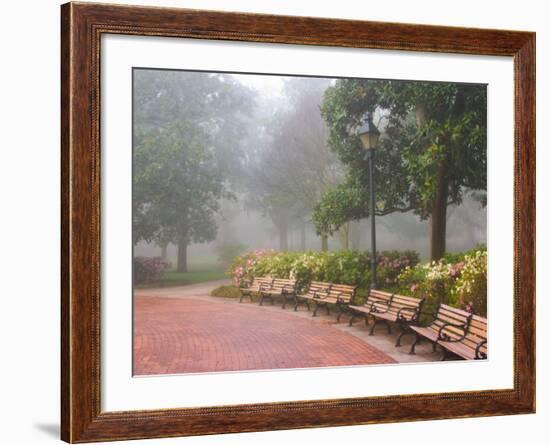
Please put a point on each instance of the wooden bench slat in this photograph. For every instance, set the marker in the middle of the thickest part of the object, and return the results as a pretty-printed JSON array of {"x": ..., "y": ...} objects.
[
  {"x": 454, "y": 311},
  {"x": 405, "y": 299}
]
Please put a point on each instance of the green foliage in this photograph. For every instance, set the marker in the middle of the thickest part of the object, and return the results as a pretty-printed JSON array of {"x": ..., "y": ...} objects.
[
  {"x": 433, "y": 140},
  {"x": 460, "y": 256},
  {"x": 344, "y": 267},
  {"x": 177, "y": 186},
  {"x": 226, "y": 292},
  {"x": 459, "y": 280},
  {"x": 149, "y": 269},
  {"x": 462, "y": 283},
  {"x": 187, "y": 128},
  {"x": 197, "y": 273},
  {"x": 471, "y": 287}
]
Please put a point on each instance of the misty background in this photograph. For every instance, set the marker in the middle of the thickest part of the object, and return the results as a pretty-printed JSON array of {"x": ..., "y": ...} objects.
[{"x": 269, "y": 163}]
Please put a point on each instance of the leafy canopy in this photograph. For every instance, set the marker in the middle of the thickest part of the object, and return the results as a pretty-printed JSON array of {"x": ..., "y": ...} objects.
[
  {"x": 424, "y": 126},
  {"x": 187, "y": 128}
]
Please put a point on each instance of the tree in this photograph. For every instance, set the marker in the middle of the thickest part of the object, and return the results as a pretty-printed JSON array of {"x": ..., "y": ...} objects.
[
  {"x": 295, "y": 165},
  {"x": 177, "y": 189},
  {"x": 187, "y": 128},
  {"x": 432, "y": 150}
]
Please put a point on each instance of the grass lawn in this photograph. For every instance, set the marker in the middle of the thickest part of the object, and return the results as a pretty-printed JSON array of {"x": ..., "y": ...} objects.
[{"x": 197, "y": 273}]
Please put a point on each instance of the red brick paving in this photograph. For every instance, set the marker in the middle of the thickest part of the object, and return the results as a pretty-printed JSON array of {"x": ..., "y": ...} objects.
[{"x": 173, "y": 336}]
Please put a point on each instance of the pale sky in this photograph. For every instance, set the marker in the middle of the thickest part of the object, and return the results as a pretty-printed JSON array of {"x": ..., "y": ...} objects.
[{"x": 265, "y": 84}]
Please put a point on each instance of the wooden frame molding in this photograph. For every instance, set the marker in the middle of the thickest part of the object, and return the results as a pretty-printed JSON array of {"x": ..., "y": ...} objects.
[{"x": 81, "y": 28}]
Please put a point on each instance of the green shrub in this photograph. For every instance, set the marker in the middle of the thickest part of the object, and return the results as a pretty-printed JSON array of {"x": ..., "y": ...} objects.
[
  {"x": 149, "y": 269},
  {"x": 344, "y": 267},
  {"x": 459, "y": 256},
  {"x": 226, "y": 292},
  {"x": 471, "y": 287},
  {"x": 459, "y": 280}
]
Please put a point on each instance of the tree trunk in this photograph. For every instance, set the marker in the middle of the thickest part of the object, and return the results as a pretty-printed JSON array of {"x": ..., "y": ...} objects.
[
  {"x": 324, "y": 243},
  {"x": 438, "y": 221},
  {"x": 439, "y": 215},
  {"x": 182, "y": 256},
  {"x": 283, "y": 236},
  {"x": 344, "y": 233},
  {"x": 303, "y": 236},
  {"x": 164, "y": 251}
]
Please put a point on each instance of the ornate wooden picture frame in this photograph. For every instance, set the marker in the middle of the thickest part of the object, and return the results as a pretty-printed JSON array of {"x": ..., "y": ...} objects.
[{"x": 82, "y": 25}]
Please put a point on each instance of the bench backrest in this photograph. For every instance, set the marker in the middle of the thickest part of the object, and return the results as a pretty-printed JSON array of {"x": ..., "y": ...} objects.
[
  {"x": 345, "y": 293},
  {"x": 476, "y": 337},
  {"x": 258, "y": 282},
  {"x": 318, "y": 286},
  {"x": 447, "y": 314},
  {"x": 405, "y": 308},
  {"x": 379, "y": 299},
  {"x": 283, "y": 283}
]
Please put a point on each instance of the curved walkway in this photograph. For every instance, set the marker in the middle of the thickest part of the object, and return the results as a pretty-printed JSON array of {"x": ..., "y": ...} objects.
[{"x": 182, "y": 335}]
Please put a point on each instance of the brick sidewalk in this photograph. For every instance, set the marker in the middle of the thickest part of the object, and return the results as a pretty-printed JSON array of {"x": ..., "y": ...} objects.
[{"x": 174, "y": 336}]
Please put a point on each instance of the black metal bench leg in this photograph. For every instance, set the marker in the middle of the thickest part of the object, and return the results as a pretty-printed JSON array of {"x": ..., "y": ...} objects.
[
  {"x": 398, "y": 342},
  {"x": 434, "y": 346},
  {"x": 261, "y": 299},
  {"x": 339, "y": 314},
  {"x": 388, "y": 326},
  {"x": 244, "y": 295},
  {"x": 403, "y": 333},
  {"x": 445, "y": 355},
  {"x": 371, "y": 332},
  {"x": 315, "y": 310},
  {"x": 413, "y": 346},
  {"x": 351, "y": 319}
]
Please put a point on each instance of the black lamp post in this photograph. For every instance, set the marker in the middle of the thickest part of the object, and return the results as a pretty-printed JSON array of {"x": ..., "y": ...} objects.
[{"x": 369, "y": 134}]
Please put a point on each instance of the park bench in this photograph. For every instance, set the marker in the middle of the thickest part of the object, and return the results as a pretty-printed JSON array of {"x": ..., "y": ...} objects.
[
  {"x": 375, "y": 298},
  {"x": 314, "y": 290},
  {"x": 385, "y": 307},
  {"x": 326, "y": 295},
  {"x": 473, "y": 346},
  {"x": 340, "y": 295},
  {"x": 456, "y": 331},
  {"x": 248, "y": 289},
  {"x": 281, "y": 287}
]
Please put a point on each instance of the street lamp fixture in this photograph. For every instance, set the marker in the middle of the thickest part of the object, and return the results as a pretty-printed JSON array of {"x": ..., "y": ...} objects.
[{"x": 369, "y": 135}]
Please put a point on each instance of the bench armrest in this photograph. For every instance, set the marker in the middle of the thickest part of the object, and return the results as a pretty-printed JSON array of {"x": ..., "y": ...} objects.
[
  {"x": 245, "y": 284},
  {"x": 376, "y": 310},
  {"x": 321, "y": 294},
  {"x": 479, "y": 354},
  {"x": 441, "y": 335},
  {"x": 414, "y": 316},
  {"x": 341, "y": 300},
  {"x": 344, "y": 301},
  {"x": 337, "y": 296}
]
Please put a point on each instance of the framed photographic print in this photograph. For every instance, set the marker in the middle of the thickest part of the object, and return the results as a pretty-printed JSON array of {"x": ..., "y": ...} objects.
[{"x": 276, "y": 222}]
